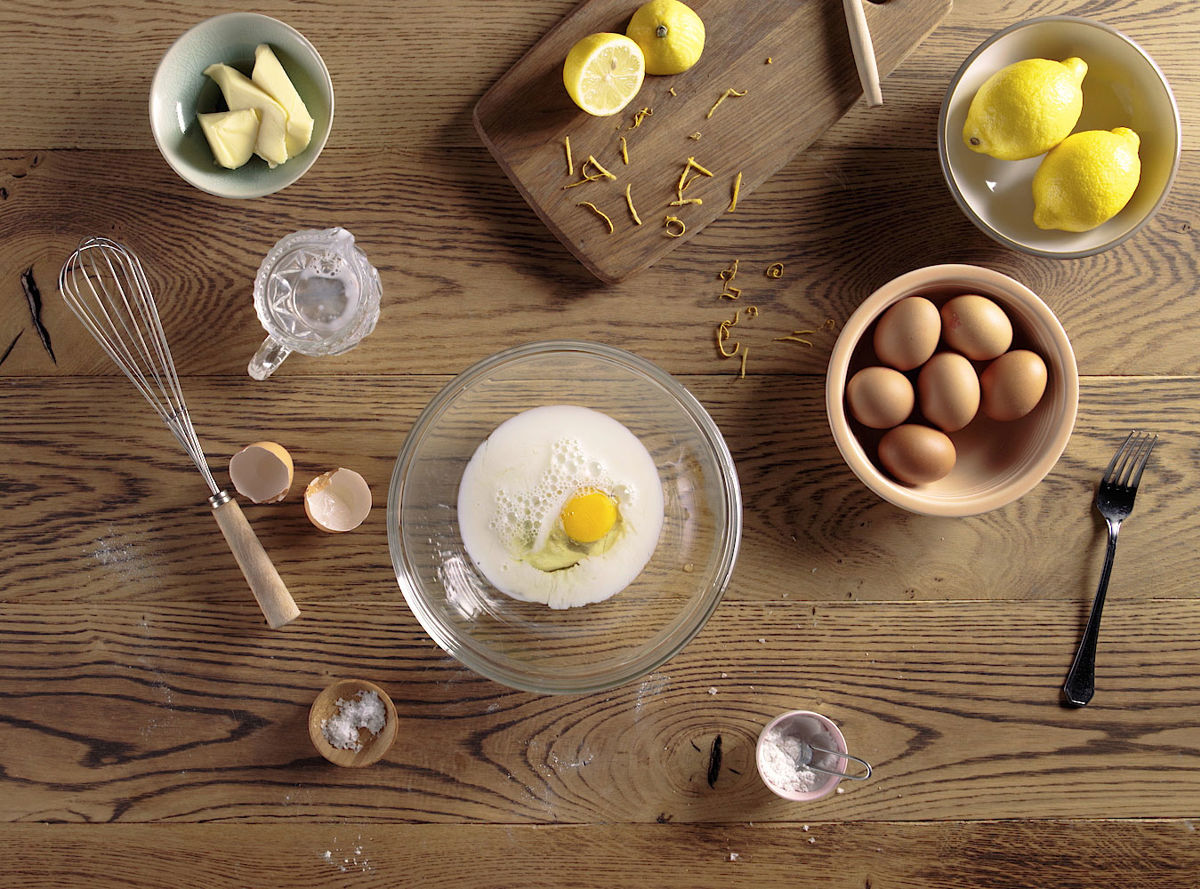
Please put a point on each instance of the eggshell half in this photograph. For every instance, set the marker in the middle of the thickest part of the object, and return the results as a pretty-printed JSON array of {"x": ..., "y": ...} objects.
[
  {"x": 262, "y": 472},
  {"x": 338, "y": 500}
]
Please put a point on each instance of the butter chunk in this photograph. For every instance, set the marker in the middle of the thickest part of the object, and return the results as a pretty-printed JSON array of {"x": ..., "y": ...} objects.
[
  {"x": 269, "y": 75},
  {"x": 231, "y": 135},
  {"x": 241, "y": 93}
]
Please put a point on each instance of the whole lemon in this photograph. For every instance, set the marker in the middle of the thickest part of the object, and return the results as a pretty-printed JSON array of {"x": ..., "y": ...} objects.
[
  {"x": 670, "y": 34},
  {"x": 1025, "y": 108},
  {"x": 1086, "y": 180}
]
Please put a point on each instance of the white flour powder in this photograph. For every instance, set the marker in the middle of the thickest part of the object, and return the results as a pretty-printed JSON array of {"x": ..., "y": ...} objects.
[{"x": 778, "y": 764}]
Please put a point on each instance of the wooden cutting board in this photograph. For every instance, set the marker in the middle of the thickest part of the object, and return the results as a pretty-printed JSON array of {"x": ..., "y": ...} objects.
[{"x": 808, "y": 84}]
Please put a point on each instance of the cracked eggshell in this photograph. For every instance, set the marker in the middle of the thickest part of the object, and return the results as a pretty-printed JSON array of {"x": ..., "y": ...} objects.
[
  {"x": 338, "y": 500},
  {"x": 262, "y": 472}
]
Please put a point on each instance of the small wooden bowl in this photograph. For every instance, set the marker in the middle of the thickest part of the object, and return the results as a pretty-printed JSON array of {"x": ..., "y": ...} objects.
[{"x": 373, "y": 746}]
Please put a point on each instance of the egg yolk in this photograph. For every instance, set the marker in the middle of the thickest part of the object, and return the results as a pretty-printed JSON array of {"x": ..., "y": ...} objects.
[{"x": 589, "y": 515}]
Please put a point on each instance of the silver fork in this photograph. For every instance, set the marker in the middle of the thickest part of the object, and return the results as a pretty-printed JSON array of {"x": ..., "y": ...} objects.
[{"x": 1114, "y": 499}]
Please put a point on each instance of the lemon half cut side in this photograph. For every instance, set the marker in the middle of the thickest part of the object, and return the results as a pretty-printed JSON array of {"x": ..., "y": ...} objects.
[{"x": 603, "y": 72}]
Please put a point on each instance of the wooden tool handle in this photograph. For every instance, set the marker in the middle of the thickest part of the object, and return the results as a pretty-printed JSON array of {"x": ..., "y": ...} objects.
[
  {"x": 864, "y": 52},
  {"x": 273, "y": 597}
]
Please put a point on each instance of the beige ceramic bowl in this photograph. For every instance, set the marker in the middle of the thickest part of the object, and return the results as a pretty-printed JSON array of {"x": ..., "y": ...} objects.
[
  {"x": 997, "y": 462},
  {"x": 1123, "y": 87}
]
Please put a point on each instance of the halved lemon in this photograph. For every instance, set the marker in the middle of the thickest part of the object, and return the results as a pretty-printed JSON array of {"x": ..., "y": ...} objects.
[{"x": 603, "y": 72}]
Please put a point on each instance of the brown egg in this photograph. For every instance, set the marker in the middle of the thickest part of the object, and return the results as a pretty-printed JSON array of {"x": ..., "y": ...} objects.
[
  {"x": 916, "y": 455},
  {"x": 949, "y": 391},
  {"x": 880, "y": 397},
  {"x": 907, "y": 333},
  {"x": 1012, "y": 385},
  {"x": 976, "y": 326}
]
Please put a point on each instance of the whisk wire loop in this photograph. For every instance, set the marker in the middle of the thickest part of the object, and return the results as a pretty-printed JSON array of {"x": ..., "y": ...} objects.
[{"x": 105, "y": 285}]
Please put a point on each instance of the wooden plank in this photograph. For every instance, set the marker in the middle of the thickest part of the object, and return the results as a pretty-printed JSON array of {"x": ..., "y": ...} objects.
[
  {"x": 468, "y": 269},
  {"x": 126, "y": 518},
  {"x": 99, "y": 101},
  {"x": 896, "y": 855},
  {"x": 525, "y": 117},
  {"x": 151, "y": 713}
]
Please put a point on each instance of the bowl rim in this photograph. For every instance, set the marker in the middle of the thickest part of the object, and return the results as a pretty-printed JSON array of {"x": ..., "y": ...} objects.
[
  {"x": 952, "y": 182},
  {"x": 985, "y": 281},
  {"x": 628, "y": 669},
  {"x": 315, "y": 147}
]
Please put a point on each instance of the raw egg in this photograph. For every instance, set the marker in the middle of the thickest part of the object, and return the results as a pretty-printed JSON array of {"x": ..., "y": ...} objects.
[
  {"x": 1013, "y": 384},
  {"x": 949, "y": 391},
  {"x": 907, "y": 333},
  {"x": 976, "y": 326},
  {"x": 916, "y": 455},
  {"x": 880, "y": 397},
  {"x": 560, "y": 505}
]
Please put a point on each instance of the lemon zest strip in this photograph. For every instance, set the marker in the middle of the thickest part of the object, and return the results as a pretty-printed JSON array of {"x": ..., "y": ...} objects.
[
  {"x": 570, "y": 162},
  {"x": 629, "y": 201},
  {"x": 728, "y": 274},
  {"x": 599, "y": 213},
  {"x": 731, "y": 293},
  {"x": 684, "y": 201},
  {"x": 624, "y": 151},
  {"x": 695, "y": 136},
  {"x": 599, "y": 169},
  {"x": 677, "y": 232},
  {"x": 725, "y": 95},
  {"x": 672, "y": 91},
  {"x": 722, "y": 335},
  {"x": 796, "y": 336},
  {"x": 639, "y": 116},
  {"x": 737, "y": 187},
  {"x": 752, "y": 311},
  {"x": 774, "y": 270},
  {"x": 742, "y": 372}
]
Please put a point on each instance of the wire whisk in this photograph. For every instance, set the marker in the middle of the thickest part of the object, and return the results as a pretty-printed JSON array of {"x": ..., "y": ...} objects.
[{"x": 104, "y": 284}]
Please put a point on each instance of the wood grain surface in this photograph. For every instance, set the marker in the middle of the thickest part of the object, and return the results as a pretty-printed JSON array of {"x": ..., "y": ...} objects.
[
  {"x": 791, "y": 63},
  {"x": 153, "y": 729}
]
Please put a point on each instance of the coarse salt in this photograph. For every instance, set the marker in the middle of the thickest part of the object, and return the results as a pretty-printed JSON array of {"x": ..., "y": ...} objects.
[{"x": 364, "y": 710}]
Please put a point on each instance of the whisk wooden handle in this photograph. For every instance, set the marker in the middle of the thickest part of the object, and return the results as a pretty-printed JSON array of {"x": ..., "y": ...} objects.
[{"x": 273, "y": 597}]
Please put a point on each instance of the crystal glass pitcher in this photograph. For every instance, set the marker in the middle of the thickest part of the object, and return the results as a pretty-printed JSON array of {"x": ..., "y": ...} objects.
[{"x": 315, "y": 293}]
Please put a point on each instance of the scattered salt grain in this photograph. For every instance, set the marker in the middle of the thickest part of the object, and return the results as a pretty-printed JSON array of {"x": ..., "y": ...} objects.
[
  {"x": 365, "y": 710},
  {"x": 713, "y": 690},
  {"x": 733, "y": 856}
]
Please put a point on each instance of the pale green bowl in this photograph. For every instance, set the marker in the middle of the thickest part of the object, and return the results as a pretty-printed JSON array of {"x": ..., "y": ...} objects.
[{"x": 180, "y": 90}]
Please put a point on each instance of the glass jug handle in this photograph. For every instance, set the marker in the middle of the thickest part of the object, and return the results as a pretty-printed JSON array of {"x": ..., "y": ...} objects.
[{"x": 268, "y": 358}]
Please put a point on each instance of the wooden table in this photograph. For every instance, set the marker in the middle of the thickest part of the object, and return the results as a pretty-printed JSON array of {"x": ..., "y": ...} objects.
[{"x": 152, "y": 730}]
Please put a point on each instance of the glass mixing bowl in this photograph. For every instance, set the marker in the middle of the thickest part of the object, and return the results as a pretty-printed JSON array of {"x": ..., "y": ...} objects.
[{"x": 527, "y": 645}]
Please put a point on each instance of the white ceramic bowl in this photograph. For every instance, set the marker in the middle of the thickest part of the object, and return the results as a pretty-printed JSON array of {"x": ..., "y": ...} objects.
[
  {"x": 180, "y": 90},
  {"x": 997, "y": 462},
  {"x": 1123, "y": 87}
]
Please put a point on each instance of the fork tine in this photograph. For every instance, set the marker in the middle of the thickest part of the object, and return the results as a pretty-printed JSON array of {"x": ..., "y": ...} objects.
[
  {"x": 1143, "y": 458},
  {"x": 1129, "y": 463},
  {"x": 1122, "y": 451}
]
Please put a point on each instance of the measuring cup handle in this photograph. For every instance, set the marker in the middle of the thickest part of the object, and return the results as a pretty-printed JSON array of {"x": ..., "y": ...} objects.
[{"x": 268, "y": 358}]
